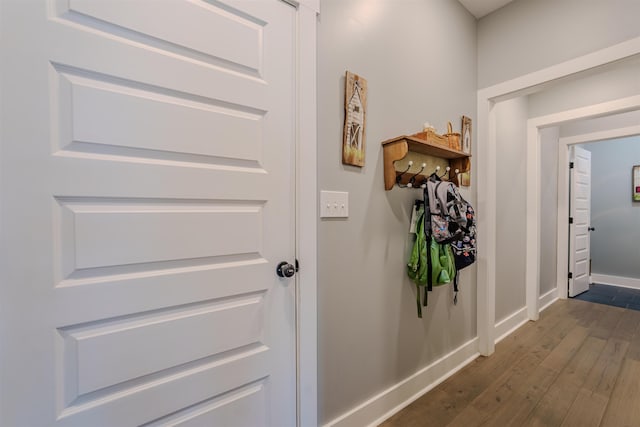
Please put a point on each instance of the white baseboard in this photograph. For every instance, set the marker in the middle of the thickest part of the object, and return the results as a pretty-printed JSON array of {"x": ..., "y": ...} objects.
[
  {"x": 549, "y": 298},
  {"x": 380, "y": 407},
  {"x": 625, "y": 282},
  {"x": 506, "y": 326}
]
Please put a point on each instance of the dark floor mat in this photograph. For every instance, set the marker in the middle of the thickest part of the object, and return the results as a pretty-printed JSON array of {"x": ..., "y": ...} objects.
[{"x": 612, "y": 295}]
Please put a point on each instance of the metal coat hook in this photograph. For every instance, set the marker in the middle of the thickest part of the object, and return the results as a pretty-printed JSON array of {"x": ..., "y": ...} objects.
[
  {"x": 424, "y": 183},
  {"x": 412, "y": 180},
  {"x": 457, "y": 173},
  {"x": 446, "y": 172},
  {"x": 399, "y": 177}
]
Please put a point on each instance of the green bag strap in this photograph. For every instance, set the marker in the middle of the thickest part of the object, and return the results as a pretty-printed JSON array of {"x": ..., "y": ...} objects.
[{"x": 416, "y": 265}]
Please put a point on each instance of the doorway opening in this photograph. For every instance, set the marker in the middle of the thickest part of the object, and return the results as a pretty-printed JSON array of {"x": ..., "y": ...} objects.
[
  {"x": 490, "y": 172},
  {"x": 613, "y": 272}
]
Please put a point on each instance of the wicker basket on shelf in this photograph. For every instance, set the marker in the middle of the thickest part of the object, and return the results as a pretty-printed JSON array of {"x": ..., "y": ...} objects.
[
  {"x": 453, "y": 138},
  {"x": 450, "y": 139},
  {"x": 431, "y": 136}
]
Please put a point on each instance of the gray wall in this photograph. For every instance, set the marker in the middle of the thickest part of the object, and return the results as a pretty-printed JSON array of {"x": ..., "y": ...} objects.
[
  {"x": 418, "y": 69},
  {"x": 511, "y": 138},
  {"x": 612, "y": 82},
  {"x": 614, "y": 243},
  {"x": 528, "y": 35},
  {"x": 617, "y": 121},
  {"x": 549, "y": 208}
]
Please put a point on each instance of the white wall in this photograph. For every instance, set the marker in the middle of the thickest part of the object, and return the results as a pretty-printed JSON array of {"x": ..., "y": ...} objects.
[
  {"x": 418, "y": 69},
  {"x": 549, "y": 208},
  {"x": 511, "y": 137},
  {"x": 528, "y": 35},
  {"x": 615, "y": 217}
]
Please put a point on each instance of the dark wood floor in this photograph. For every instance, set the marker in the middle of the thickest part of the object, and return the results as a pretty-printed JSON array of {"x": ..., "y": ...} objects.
[{"x": 578, "y": 365}]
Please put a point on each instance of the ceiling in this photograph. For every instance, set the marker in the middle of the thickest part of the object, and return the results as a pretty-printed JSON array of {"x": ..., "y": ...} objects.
[{"x": 480, "y": 8}]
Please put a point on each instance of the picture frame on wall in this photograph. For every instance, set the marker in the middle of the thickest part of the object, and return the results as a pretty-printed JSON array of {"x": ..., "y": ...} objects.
[
  {"x": 465, "y": 147},
  {"x": 466, "y": 135},
  {"x": 355, "y": 118},
  {"x": 635, "y": 186}
]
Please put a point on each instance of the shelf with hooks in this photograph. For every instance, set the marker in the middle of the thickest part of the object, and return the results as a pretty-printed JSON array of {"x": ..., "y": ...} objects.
[{"x": 434, "y": 155}]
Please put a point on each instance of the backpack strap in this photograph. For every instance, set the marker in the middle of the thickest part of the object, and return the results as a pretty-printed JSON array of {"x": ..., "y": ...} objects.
[
  {"x": 427, "y": 235},
  {"x": 442, "y": 207},
  {"x": 419, "y": 307},
  {"x": 442, "y": 192},
  {"x": 455, "y": 289},
  {"x": 431, "y": 197}
]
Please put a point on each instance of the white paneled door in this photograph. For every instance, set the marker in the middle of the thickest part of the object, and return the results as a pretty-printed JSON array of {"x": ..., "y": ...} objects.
[
  {"x": 147, "y": 183},
  {"x": 580, "y": 212}
]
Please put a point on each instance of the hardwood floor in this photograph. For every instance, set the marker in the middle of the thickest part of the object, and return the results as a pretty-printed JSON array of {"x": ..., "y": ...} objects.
[{"x": 577, "y": 366}]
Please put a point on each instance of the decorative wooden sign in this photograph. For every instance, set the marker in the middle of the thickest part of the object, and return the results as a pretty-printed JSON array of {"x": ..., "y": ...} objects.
[
  {"x": 355, "y": 105},
  {"x": 465, "y": 130},
  {"x": 466, "y": 135},
  {"x": 636, "y": 183}
]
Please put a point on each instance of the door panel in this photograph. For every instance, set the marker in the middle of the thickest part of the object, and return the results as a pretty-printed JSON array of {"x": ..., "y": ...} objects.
[
  {"x": 215, "y": 23},
  {"x": 118, "y": 234},
  {"x": 175, "y": 336},
  {"x": 236, "y": 409},
  {"x": 580, "y": 208},
  {"x": 147, "y": 188},
  {"x": 173, "y": 116}
]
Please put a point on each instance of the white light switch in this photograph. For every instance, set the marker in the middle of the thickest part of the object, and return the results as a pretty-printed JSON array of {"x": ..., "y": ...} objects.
[{"x": 334, "y": 204}]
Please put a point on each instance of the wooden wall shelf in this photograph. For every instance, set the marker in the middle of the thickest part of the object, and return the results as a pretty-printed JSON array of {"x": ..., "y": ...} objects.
[{"x": 397, "y": 149}]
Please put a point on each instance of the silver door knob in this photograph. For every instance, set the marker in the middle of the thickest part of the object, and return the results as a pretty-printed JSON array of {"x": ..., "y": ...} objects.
[{"x": 285, "y": 269}]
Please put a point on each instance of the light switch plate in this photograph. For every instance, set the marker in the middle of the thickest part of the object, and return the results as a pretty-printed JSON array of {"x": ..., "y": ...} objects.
[{"x": 334, "y": 204}]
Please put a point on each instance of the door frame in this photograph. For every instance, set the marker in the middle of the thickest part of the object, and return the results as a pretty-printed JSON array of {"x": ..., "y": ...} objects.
[
  {"x": 534, "y": 126},
  {"x": 306, "y": 212},
  {"x": 486, "y": 153},
  {"x": 564, "y": 143}
]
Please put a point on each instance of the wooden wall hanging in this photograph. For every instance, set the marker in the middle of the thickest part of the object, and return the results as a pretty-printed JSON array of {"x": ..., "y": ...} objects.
[
  {"x": 465, "y": 130},
  {"x": 636, "y": 183},
  {"x": 355, "y": 105}
]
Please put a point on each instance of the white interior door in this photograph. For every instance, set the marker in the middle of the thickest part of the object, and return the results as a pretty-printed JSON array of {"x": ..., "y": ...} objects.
[
  {"x": 146, "y": 199},
  {"x": 580, "y": 212}
]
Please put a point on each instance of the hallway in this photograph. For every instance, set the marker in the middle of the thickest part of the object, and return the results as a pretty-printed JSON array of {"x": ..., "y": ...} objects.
[{"x": 577, "y": 366}]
